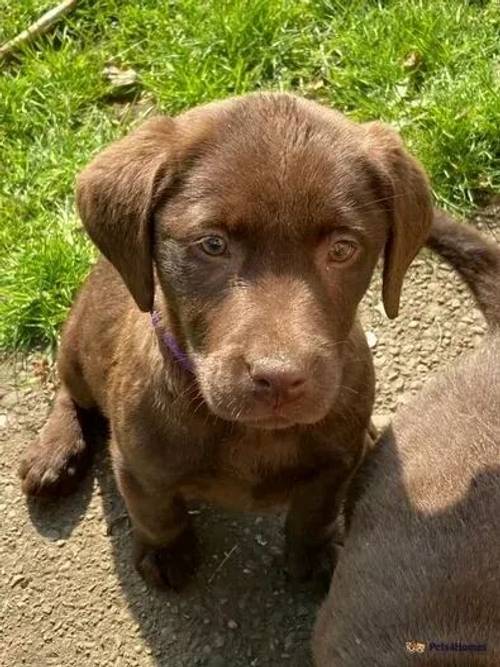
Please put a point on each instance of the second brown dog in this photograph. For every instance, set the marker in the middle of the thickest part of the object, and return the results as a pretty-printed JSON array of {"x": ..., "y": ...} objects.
[{"x": 419, "y": 579}]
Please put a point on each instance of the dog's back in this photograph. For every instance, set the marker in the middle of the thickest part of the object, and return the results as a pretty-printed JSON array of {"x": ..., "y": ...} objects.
[{"x": 421, "y": 569}]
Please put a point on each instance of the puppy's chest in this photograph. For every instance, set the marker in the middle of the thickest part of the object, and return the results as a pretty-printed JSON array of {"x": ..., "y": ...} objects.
[{"x": 252, "y": 471}]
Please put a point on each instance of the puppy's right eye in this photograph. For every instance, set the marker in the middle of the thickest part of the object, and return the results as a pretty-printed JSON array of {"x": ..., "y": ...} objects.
[
  {"x": 215, "y": 246},
  {"x": 341, "y": 251}
]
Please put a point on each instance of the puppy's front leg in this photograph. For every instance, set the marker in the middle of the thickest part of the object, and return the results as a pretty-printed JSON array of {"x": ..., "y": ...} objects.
[
  {"x": 314, "y": 506},
  {"x": 165, "y": 550}
]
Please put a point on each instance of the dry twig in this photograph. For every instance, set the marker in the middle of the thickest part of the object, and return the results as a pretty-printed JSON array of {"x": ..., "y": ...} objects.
[
  {"x": 222, "y": 563},
  {"x": 38, "y": 28}
]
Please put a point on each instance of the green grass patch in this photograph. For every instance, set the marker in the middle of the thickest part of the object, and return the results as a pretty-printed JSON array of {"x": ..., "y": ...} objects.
[{"x": 429, "y": 67}]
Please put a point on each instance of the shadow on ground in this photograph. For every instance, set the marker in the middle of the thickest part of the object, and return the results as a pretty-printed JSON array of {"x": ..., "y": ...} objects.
[{"x": 238, "y": 610}]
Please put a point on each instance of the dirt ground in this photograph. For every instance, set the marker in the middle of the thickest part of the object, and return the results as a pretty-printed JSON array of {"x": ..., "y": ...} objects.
[{"x": 68, "y": 593}]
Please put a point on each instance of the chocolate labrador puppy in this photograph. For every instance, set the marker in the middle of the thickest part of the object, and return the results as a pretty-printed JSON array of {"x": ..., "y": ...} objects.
[
  {"x": 219, "y": 334},
  {"x": 420, "y": 572}
]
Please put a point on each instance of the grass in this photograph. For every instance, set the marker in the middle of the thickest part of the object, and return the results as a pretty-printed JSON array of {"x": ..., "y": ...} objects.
[{"x": 429, "y": 67}]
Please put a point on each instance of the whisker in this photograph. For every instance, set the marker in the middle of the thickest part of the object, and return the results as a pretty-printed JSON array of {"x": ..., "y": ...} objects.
[
  {"x": 345, "y": 388},
  {"x": 347, "y": 209},
  {"x": 327, "y": 345}
]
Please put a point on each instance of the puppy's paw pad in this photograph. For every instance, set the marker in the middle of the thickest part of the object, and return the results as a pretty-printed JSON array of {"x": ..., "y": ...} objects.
[{"x": 169, "y": 567}]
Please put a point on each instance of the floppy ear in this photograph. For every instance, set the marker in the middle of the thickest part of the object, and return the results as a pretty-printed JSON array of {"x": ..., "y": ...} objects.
[
  {"x": 408, "y": 201},
  {"x": 116, "y": 197}
]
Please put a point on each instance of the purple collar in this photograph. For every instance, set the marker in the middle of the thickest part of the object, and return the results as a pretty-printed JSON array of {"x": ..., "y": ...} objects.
[{"x": 172, "y": 345}]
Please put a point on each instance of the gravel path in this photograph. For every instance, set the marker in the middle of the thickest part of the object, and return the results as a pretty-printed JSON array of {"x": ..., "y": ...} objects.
[{"x": 68, "y": 594}]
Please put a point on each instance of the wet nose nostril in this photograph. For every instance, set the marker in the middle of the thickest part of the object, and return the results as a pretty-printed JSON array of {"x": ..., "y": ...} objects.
[
  {"x": 262, "y": 383},
  {"x": 276, "y": 381}
]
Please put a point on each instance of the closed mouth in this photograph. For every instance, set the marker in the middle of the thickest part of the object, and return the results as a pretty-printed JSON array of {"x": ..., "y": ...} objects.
[{"x": 271, "y": 422}]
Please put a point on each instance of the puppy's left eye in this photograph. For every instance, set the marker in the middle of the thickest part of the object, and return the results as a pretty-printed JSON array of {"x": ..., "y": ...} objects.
[
  {"x": 215, "y": 246},
  {"x": 341, "y": 251}
]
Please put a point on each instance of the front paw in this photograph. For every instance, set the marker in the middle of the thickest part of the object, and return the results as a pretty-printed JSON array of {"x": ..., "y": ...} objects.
[
  {"x": 168, "y": 566},
  {"x": 305, "y": 562},
  {"x": 300, "y": 561},
  {"x": 52, "y": 470}
]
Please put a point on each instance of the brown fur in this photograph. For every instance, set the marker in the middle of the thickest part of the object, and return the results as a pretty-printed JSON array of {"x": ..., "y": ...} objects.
[
  {"x": 280, "y": 403},
  {"x": 421, "y": 562}
]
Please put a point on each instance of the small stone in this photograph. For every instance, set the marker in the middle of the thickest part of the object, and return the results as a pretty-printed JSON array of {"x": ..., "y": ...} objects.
[
  {"x": 371, "y": 339},
  {"x": 17, "y": 579},
  {"x": 428, "y": 345},
  {"x": 232, "y": 625},
  {"x": 10, "y": 400},
  {"x": 381, "y": 421},
  {"x": 399, "y": 384}
]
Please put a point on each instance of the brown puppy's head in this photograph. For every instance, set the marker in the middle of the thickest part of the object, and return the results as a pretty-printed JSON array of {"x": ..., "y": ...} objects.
[{"x": 264, "y": 216}]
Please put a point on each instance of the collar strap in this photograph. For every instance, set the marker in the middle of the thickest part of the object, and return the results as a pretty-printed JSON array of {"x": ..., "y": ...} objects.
[{"x": 170, "y": 343}]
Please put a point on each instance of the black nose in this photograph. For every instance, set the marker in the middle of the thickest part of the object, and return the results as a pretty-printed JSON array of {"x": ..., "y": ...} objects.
[{"x": 277, "y": 381}]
